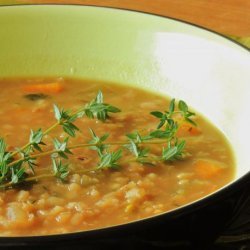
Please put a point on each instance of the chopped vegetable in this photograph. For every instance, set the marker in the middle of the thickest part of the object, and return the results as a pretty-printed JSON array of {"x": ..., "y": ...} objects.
[
  {"x": 36, "y": 97},
  {"x": 207, "y": 169},
  {"x": 54, "y": 87}
]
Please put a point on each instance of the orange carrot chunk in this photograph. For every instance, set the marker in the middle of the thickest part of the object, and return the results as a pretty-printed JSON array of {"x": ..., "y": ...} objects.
[
  {"x": 207, "y": 169},
  {"x": 54, "y": 87}
]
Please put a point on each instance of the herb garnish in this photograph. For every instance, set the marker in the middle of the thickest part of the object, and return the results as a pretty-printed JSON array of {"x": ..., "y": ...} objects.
[{"x": 19, "y": 166}]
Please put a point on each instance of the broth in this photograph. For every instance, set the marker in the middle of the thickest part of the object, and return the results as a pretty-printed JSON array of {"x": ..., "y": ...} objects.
[{"x": 100, "y": 199}]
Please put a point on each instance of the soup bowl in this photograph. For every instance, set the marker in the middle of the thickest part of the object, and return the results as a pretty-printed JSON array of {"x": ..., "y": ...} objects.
[{"x": 150, "y": 52}]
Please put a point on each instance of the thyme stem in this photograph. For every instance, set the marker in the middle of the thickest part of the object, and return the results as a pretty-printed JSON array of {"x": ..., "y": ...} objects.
[
  {"x": 50, "y": 175},
  {"x": 51, "y": 128},
  {"x": 84, "y": 145}
]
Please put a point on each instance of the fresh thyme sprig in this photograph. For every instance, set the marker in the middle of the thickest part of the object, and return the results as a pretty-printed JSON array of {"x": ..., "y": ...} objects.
[
  {"x": 15, "y": 171},
  {"x": 174, "y": 149}
]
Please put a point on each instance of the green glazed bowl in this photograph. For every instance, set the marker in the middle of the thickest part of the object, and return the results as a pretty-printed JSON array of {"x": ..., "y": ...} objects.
[{"x": 151, "y": 52}]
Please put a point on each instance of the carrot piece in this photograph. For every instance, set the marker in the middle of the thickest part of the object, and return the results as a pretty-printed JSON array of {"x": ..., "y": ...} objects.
[
  {"x": 54, "y": 87},
  {"x": 187, "y": 129},
  {"x": 207, "y": 169}
]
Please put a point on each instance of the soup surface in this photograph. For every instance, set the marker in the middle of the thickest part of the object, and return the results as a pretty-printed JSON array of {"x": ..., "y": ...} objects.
[{"x": 95, "y": 199}]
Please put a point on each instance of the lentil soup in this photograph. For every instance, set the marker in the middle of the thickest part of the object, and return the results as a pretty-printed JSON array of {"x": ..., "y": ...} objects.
[{"x": 95, "y": 199}]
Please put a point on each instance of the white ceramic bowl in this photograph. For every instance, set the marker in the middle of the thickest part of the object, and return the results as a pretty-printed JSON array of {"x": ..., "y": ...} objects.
[{"x": 208, "y": 71}]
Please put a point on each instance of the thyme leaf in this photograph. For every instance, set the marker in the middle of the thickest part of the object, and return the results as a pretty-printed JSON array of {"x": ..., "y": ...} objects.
[
  {"x": 60, "y": 170},
  {"x": 100, "y": 147},
  {"x": 98, "y": 109},
  {"x": 173, "y": 151},
  {"x": 109, "y": 160}
]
